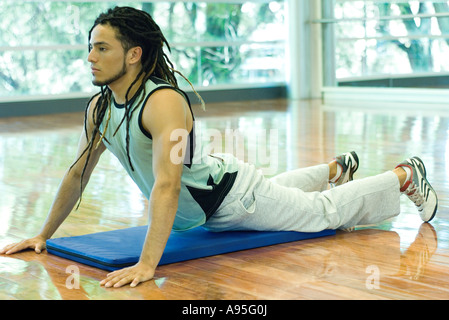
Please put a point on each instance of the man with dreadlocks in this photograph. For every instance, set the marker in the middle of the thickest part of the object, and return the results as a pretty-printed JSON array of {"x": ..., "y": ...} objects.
[
  {"x": 144, "y": 119},
  {"x": 135, "y": 116}
]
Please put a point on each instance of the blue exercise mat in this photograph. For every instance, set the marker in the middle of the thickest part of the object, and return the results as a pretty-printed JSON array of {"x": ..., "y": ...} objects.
[{"x": 112, "y": 250}]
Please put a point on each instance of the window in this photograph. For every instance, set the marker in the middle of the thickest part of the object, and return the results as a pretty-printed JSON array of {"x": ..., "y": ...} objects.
[
  {"x": 386, "y": 43},
  {"x": 43, "y": 44}
]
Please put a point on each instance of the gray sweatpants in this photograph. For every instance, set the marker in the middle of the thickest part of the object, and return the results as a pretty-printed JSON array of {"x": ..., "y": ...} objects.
[{"x": 299, "y": 200}]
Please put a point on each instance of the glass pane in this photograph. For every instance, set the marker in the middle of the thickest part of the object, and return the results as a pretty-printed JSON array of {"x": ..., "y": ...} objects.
[
  {"x": 186, "y": 60},
  {"x": 215, "y": 21},
  {"x": 44, "y": 72},
  {"x": 390, "y": 39},
  {"x": 245, "y": 64},
  {"x": 261, "y": 63},
  {"x": 25, "y": 23},
  {"x": 211, "y": 42}
]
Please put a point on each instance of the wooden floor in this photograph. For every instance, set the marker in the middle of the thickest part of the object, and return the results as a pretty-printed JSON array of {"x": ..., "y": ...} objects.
[{"x": 402, "y": 258}]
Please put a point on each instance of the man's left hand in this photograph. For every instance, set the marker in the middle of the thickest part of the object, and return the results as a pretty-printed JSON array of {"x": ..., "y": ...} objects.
[{"x": 134, "y": 275}]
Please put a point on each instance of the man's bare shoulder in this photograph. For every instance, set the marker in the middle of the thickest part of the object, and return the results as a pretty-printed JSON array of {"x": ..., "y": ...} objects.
[
  {"x": 168, "y": 107},
  {"x": 165, "y": 102},
  {"x": 167, "y": 97},
  {"x": 91, "y": 107}
]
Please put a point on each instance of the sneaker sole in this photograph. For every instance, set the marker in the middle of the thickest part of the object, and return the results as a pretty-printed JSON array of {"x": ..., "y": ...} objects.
[
  {"x": 356, "y": 158},
  {"x": 434, "y": 211},
  {"x": 436, "y": 201}
]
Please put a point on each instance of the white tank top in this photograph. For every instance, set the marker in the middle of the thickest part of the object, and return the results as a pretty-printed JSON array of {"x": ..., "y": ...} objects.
[{"x": 206, "y": 179}]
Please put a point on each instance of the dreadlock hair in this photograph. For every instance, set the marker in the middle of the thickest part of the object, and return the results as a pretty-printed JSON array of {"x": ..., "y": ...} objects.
[{"x": 133, "y": 28}]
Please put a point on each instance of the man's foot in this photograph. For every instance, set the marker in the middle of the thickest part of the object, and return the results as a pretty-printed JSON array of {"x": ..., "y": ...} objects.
[
  {"x": 347, "y": 164},
  {"x": 418, "y": 189}
]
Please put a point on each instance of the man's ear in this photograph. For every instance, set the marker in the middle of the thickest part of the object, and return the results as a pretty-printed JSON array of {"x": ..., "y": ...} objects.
[{"x": 134, "y": 55}]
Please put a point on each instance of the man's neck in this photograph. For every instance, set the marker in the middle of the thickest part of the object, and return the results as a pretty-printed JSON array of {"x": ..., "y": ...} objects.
[{"x": 120, "y": 87}]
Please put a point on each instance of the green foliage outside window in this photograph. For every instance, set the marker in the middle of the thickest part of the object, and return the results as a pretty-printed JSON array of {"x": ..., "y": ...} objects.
[
  {"x": 43, "y": 44},
  {"x": 390, "y": 38}
]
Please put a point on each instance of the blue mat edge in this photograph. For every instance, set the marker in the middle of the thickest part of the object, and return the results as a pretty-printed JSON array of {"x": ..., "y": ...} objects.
[{"x": 172, "y": 255}]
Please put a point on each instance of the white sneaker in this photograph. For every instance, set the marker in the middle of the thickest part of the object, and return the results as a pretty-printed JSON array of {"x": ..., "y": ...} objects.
[
  {"x": 349, "y": 163},
  {"x": 419, "y": 190}
]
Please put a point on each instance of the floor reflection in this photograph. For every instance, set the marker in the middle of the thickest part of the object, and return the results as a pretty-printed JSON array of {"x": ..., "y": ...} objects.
[
  {"x": 354, "y": 256},
  {"x": 351, "y": 259},
  {"x": 415, "y": 259}
]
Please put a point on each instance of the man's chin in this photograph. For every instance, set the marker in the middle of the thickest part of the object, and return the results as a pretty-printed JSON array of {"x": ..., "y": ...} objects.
[{"x": 98, "y": 83}]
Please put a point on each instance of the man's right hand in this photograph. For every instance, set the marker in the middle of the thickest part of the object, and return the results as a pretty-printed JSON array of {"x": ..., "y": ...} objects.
[{"x": 37, "y": 243}]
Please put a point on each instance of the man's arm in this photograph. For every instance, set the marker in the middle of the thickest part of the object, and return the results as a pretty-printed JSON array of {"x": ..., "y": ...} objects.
[
  {"x": 67, "y": 195},
  {"x": 166, "y": 112}
]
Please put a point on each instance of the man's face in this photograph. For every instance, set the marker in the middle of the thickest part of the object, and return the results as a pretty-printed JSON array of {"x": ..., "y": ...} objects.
[{"x": 106, "y": 56}]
